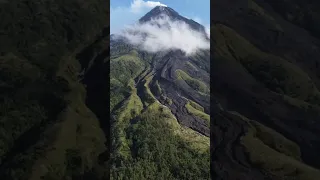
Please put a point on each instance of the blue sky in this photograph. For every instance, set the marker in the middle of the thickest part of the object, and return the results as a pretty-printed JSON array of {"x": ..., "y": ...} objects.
[{"x": 125, "y": 12}]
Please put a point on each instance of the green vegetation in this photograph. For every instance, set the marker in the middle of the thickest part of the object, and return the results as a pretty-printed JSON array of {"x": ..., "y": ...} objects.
[
  {"x": 191, "y": 66},
  {"x": 196, "y": 112},
  {"x": 276, "y": 141},
  {"x": 157, "y": 151},
  {"x": 28, "y": 103},
  {"x": 166, "y": 99},
  {"x": 119, "y": 50},
  {"x": 128, "y": 65},
  {"x": 78, "y": 131},
  {"x": 117, "y": 93},
  {"x": 158, "y": 90},
  {"x": 271, "y": 78},
  {"x": 276, "y": 73},
  {"x": 271, "y": 160},
  {"x": 196, "y": 105},
  {"x": 149, "y": 97},
  {"x": 304, "y": 15},
  {"x": 274, "y": 153},
  {"x": 282, "y": 77},
  {"x": 148, "y": 142},
  {"x": 131, "y": 108},
  {"x": 261, "y": 12},
  {"x": 125, "y": 67},
  {"x": 41, "y": 100},
  {"x": 192, "y": 82}
]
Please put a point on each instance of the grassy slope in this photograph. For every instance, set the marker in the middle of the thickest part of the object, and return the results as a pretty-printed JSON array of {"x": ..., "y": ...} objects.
[
  {"x": 266, "y": 148},
  {"x": 196, "y": 110},
  {"x": 274, "y": 153},
  {"x": 131, "y": 108},
  {"x": 192, "y": 82},
  {"x": 128, "y": 66},
  {"x": 268, "y": 151},
  {"x": 153, "y": 125},
  {"x": 157, "y": 136},
  {"x": 276, "y": 73},
  {"x": 79, "y": 130}
]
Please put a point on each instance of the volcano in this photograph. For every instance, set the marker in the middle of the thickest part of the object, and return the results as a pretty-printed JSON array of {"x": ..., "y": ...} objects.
[
  {"x": 159, "y": 11},
  {"x": 167, "y": 90}
]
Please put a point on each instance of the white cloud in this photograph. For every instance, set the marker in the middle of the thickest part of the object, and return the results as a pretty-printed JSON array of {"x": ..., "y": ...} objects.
[
  {"x": 168, "y": 36},
  {"x": 139, "y": 5},
  {"x": 207, "y": 28},
  {"x": 123, "y": 15}
]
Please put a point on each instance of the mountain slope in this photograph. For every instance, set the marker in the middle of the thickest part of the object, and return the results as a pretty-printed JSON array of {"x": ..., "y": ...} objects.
[
  {"x": 266, "y": 106},
  {"x": 172, "y": 14},
  {"x": 160, "y": 110},
  {"x": 47, "y": 131}
]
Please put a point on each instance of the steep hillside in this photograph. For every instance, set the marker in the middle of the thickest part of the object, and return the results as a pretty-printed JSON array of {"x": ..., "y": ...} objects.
[
  {"x": 47, "y": 131},
  {"x": 159, "y": 109},
  {"x": 265, "y": 85}
]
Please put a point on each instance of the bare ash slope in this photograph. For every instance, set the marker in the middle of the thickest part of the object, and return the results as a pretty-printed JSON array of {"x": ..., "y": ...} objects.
[
  {"x": 168, "y": 71},
  {"x": 265, "y": 84}
]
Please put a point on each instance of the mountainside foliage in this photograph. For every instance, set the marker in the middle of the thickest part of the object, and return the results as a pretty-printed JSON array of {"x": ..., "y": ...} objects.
[
  {"x": 147, "y": 140},
  {"x": 46, "y": 130},
  {"x": 265, "y": 84}
]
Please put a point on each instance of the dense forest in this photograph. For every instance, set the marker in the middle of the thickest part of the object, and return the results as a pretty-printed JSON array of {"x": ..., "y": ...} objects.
[{"x": 47, "y": 131}]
